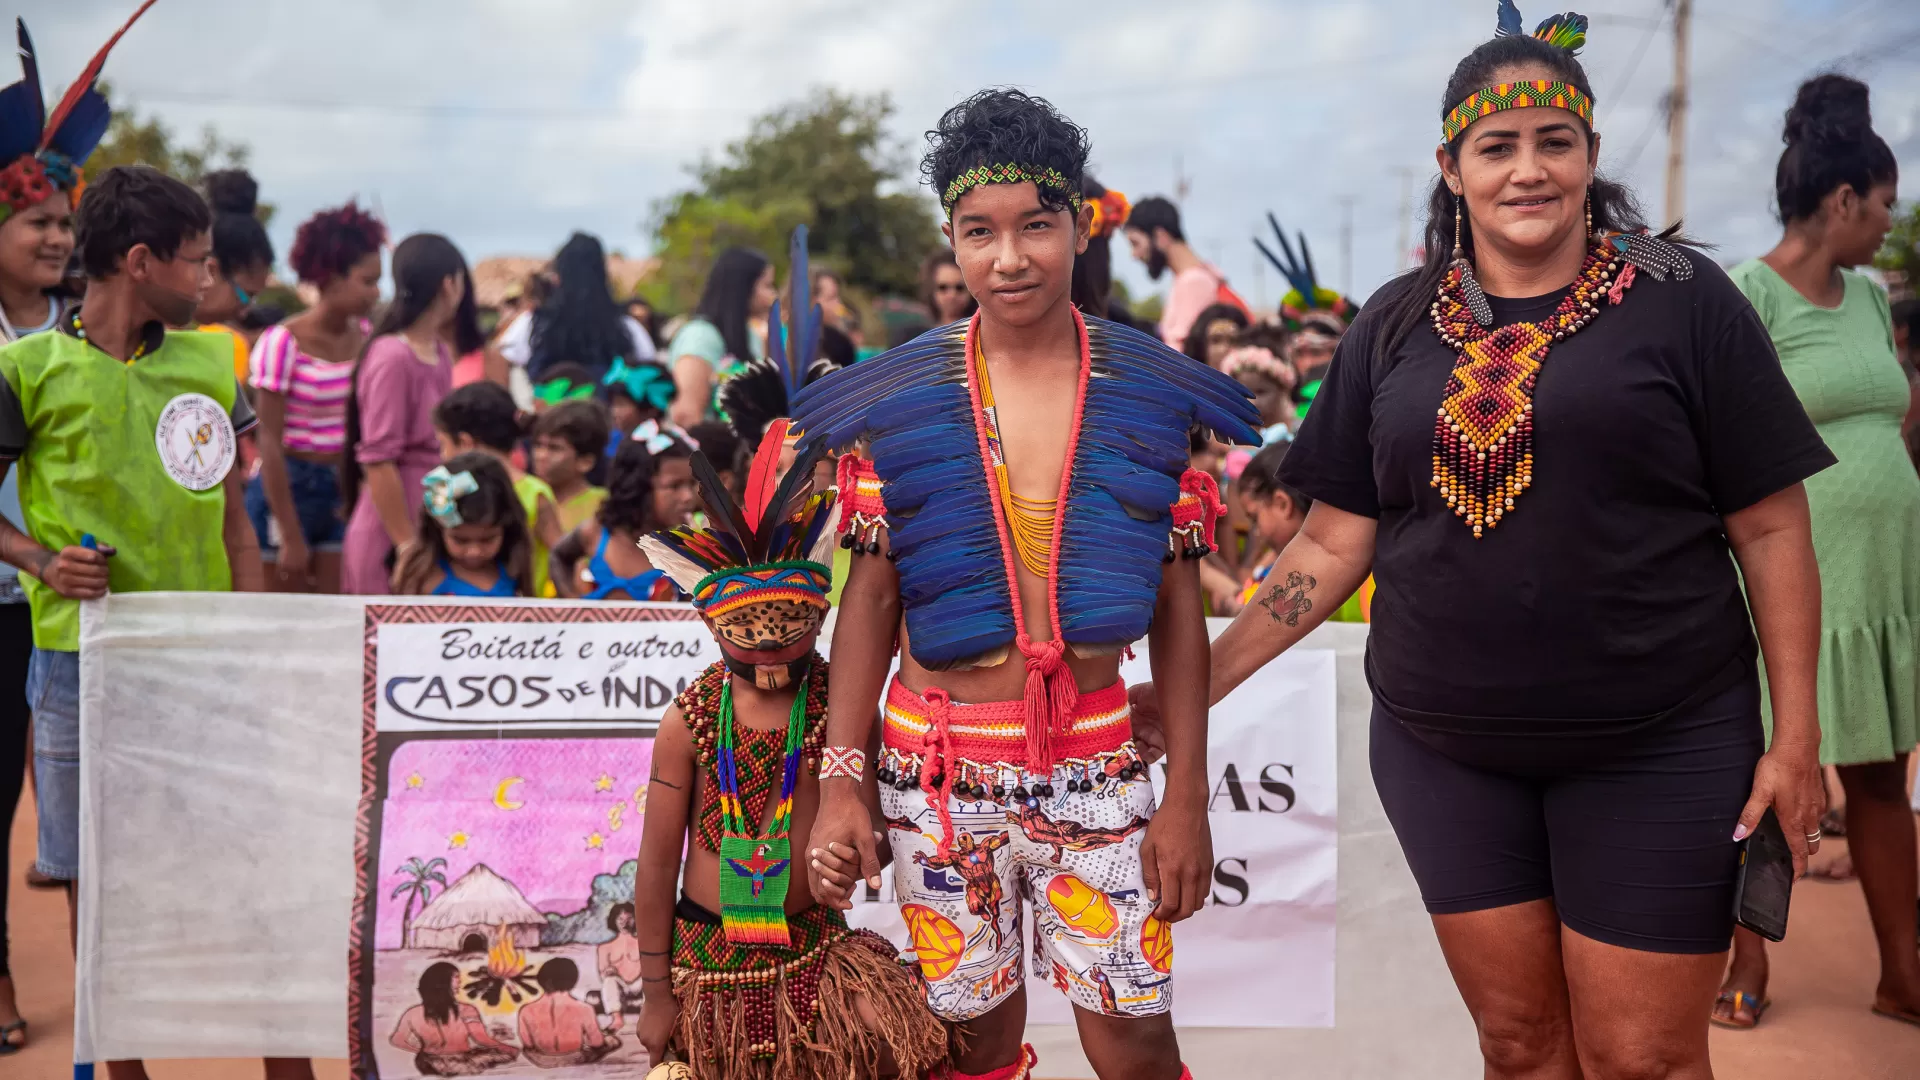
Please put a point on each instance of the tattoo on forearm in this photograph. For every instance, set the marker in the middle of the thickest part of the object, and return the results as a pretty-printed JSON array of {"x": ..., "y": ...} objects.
[{"x": 1287, "y": 601}]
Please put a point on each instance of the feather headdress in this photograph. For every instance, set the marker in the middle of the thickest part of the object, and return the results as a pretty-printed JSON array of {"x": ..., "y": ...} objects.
[
  {"x": 775, "y": 544},
  {"x": 1306, "y": 295},
  {"x": 1565, "y": 31},
  {"x": 763, "y": 392},
  {"x": 42, "y": 153}
]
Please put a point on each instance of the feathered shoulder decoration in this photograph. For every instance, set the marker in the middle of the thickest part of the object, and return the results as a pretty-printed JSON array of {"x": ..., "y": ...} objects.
[
  {"x": 914, "y": 406},
  {"x": 763, "y": 392}
]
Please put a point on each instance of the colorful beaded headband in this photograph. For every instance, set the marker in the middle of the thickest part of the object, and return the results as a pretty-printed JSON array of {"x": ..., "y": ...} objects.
[
  {"x": 802, "y": 581},
  {"x": 1520, "y": 95},
  {"x": 1009, "y": 173}
]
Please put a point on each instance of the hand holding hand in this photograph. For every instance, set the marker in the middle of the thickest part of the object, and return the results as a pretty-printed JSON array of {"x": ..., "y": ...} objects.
[{"x": 843, "y": 843}]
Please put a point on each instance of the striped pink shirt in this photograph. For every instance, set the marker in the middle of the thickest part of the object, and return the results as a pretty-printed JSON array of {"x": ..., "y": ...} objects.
[{"x": 315, "y": 391}]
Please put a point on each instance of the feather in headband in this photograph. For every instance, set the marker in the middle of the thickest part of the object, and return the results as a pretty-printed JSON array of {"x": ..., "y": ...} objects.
[{"x": 1306, "y": 293}]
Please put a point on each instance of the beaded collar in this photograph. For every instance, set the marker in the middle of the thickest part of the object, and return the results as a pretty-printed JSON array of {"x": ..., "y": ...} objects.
[
  {"x": 152, "y": 336},
  {"x": 1483, "y": 435}
]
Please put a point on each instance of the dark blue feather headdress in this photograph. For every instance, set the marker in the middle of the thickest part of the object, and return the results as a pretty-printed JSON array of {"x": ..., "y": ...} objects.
[
  {"x": 1305, "y": 295},
  {"x": 43, "y": 153}
]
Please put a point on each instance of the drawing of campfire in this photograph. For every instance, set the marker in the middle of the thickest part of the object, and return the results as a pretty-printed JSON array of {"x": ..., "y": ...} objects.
[
  {"x": 484, "y": 912},
  {"x": 504, "y": 973}
]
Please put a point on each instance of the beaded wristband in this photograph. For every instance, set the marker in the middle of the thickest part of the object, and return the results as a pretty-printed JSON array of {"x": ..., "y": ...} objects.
[{"x": 843, "y": 761}]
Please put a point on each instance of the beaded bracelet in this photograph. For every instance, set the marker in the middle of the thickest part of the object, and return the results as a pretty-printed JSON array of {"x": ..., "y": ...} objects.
[{"x": 844, "y": 761}]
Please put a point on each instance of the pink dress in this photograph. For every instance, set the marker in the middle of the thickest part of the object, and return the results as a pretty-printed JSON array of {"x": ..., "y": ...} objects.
[{"x": 397, "y": 397}]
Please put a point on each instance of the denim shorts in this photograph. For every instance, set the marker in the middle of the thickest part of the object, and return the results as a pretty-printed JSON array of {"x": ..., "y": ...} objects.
[
  {"x": 316, "y": 501},
  {"x": 53, "y": 692}
]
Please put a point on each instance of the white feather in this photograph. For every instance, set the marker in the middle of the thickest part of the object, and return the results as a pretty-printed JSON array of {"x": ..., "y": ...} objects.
[{"x": 684, "y": 572}]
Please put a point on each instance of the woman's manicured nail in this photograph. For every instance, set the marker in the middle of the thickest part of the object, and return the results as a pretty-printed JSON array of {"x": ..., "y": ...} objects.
[{"x": 1739, "y": 832}]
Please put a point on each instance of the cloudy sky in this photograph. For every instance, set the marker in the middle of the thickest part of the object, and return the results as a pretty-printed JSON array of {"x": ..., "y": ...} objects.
[{"x": 507, "y": 123}]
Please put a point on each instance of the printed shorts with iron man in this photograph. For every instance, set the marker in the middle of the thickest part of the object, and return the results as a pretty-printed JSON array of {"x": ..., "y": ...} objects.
[{"x": 975, "y": 834}]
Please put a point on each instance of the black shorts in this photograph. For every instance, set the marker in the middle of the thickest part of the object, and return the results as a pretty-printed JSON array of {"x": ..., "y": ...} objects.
[{"x": 1630, "y": 835}]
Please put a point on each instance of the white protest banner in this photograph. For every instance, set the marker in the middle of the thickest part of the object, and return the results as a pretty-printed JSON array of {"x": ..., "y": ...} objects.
[{"x": 221, "y": 775}]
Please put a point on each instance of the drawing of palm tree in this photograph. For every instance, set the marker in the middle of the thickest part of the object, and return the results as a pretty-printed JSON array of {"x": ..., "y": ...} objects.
[{"x": 418, "y": 886}]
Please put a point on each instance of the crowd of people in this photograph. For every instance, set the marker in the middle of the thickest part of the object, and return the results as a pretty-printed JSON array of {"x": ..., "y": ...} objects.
[{"x": 1605, "y": 641}]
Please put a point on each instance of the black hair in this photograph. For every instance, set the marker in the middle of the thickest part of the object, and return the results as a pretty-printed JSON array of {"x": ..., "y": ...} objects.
[
  {"x": 720, "y": 443},
  {"x": 613, "y": 916},
  {"x": 583, "y": 425},
  {"x": 629, "y": 501},
  {"x": 1002, "y": 125},
  {"x": 436, "y": 992},
  {"x": 1261, "y": 478},
  {"x": 930, "y": 275},
  {"x": 1196, "y": 344},
  {"x": 329, "y": 243},
  {"x": 728, "y": 296},
  {"x": 259, "y": 316},
  {"x": 836, "y": 347},
  {"x": 1156, "y": 212},
  {"x": 483, "y": 411},
  {"x": 130, "y": 205},
  {"x": 420, "y": 263},
  {"x": 558, "y": 975},
  {"x": 1830, "y": 141},
  {"x": 1405, "y": 300},
  {"x": 239, "y": 240},
  {"x": 1093, "y": 268},
  {"x": 492, "y": 502},
  {"x": 579, "y": 322},
  {"x": 1906, "y": 316}
]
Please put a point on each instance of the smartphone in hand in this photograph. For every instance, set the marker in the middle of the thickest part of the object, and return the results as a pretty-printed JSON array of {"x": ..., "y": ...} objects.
[{"x": 1764, "y": 884}]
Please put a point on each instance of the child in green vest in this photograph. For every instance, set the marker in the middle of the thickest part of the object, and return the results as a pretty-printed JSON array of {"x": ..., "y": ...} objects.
[{"x": 124, "y": 435}]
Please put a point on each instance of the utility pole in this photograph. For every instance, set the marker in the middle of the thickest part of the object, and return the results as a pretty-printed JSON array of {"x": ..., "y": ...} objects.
[
  {"x": 1346, "y": 246},
  {"x": 1677, "y": 114},
  {"x": 1182, "y": 184}
]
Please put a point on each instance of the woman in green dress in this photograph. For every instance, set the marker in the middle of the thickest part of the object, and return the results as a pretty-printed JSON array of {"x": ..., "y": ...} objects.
[{"x": 1836, "y": 189}]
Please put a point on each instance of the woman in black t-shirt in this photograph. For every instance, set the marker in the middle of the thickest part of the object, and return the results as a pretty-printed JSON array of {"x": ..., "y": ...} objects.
[{"x": 1547, "y": 489}]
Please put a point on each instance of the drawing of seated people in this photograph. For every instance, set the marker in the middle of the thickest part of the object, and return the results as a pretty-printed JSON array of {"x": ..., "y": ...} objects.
[
  {"x": 619, "y": 964},
  {"x": 447, "y": 1036},
  {"x": 558, "y": 1029}
]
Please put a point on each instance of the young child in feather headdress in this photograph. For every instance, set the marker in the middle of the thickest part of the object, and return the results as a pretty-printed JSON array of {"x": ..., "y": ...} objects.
[{"x": 744, "y": 975}]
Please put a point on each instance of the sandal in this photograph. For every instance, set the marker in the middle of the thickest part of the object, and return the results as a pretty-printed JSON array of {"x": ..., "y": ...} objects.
[
  {"x": 1739, "y": 999},
  {"x": 7, "y": 1045}
]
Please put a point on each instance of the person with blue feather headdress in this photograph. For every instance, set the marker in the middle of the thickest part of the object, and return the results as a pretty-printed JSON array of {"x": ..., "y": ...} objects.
[{"x": 1023, "y": 514}]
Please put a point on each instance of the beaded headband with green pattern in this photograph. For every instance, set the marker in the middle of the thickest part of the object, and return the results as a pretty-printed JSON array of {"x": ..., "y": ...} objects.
[
  {"x": 1566, "y": 31},
  {"x": 1520, "y": 95},
  {"x": 1010, "y": 173}
]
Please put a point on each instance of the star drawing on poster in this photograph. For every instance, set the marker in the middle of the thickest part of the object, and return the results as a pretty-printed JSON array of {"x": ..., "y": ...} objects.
[
  {"x": 595, "y": 841},
  {"x": 604, "y": 783},
  {"x": 458, "y": 839}
]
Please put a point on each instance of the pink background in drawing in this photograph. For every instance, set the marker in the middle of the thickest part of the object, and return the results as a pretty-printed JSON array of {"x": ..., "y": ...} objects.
[{"x": 543, "y": 846}]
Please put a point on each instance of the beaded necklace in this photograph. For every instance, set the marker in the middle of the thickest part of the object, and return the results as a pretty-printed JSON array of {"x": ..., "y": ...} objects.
[
  {"x": 1029, "y": 521},
  {"x": 80, "y": 331},
  {"x": 1483, "y": 435},
  {"x": 755, "y": 870}
]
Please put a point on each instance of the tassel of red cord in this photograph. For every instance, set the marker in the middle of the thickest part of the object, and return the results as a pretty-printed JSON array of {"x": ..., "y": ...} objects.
[
  {"x": 936, "y": 777},
  {"x": 1051, "y": 697}
]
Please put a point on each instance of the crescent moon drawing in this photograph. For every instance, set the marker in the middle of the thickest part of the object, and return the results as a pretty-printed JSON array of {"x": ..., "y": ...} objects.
[{"x": 500, "y": 798}]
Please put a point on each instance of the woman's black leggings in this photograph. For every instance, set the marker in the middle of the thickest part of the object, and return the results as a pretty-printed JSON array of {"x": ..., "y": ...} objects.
[
  {"x": 16, "y": 647},
  {"x": 1630, "y": 835}
]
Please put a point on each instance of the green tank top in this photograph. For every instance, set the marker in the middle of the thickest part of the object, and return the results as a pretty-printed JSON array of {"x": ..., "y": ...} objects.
[{"x": 131, "y": 453}]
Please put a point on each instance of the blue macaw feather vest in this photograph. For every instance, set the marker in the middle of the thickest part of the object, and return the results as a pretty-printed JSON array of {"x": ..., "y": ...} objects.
[{"x": 914, "y": 406}]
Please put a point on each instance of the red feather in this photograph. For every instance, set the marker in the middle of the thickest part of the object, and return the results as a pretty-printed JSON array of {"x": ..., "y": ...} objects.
[
  {"x": 765, "y": 474},
  {"x": 85, "y": 82}
]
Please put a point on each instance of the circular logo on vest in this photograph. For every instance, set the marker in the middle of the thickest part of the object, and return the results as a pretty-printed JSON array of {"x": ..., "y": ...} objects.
[{"x": 196, "y": 441}]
